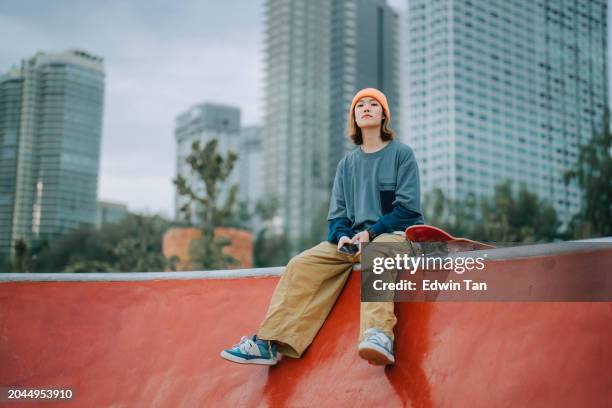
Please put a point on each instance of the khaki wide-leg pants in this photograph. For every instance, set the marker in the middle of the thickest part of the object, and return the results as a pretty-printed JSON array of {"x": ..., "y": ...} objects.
[{"x": 306, "y": 293}]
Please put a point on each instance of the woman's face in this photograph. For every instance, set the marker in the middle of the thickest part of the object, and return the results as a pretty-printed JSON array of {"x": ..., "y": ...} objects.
[{"x": 368, "y": 112}]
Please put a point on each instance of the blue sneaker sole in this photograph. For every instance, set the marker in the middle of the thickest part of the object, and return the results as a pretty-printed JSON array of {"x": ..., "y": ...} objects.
[
  {"x": 375, "y": 354},
  {"x": 258, "y": 361}
]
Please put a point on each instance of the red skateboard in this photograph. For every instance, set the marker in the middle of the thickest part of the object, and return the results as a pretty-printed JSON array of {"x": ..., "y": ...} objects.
[{"x": 430, "y": 234}]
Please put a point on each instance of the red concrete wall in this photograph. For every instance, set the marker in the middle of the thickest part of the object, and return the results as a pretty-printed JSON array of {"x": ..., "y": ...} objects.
[{"x": 157, "y": 343}]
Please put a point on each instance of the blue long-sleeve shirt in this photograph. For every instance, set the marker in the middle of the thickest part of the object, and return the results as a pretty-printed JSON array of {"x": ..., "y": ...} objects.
[{"x": 380, "y": 190}]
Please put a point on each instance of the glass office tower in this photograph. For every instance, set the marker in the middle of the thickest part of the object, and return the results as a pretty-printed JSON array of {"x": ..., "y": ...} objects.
[
  {"x": 10, "y": 115},
  {"x": 500, "y": 90},
  {"x": 318, "y": 54},
  {"x": 50, "y": 135},
  {"x": 250, "y": 165}
]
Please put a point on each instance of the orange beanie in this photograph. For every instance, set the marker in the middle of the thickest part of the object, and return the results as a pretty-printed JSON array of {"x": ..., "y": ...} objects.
[{"x": 376, "y": 94}]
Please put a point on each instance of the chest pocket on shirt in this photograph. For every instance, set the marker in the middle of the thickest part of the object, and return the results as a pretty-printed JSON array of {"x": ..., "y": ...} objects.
[{"x": 386, "y": 189}]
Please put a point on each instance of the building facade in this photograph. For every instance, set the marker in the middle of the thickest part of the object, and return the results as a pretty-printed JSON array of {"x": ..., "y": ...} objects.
[
  {"x": 318, "y": 54},
  {"x": 205, "y": 122},
  {"x": 50, "y": 134},
  {"x": 110, "y": 213},
  {"x": 251, "y": 165},
  {"x": 504, "y": 90}
]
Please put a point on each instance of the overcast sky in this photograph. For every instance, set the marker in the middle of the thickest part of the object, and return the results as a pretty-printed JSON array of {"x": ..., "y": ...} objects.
[{"x": 160, "y": 57}]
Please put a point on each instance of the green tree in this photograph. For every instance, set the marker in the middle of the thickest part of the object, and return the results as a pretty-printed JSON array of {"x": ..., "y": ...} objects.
[
  {"x": 83, "y": 244},
  {"x": 4, "y": 263},
  {"x": 267, "y": 208},
  {"x": 89, "y": 266},
  {"x": 318, "y": 227},
  {"x": 211, "y": 169},
  {"x": 516, "y": 217},
  {"x": 507, "y": 216},
  {"x": 455, "y": 217},
  {"x": 141, "y": 251},
  {"x": 593, "y": 174},
  {"x": 21, "y": 258},
  {"x": 133, "y": 244},
  {"x": 271, "y": 246},
  {"x": 242, "y": 217}
]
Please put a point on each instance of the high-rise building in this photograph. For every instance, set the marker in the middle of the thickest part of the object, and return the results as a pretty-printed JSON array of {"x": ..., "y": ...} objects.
[
  {"x": 205, "y": 122},
  {"x": 250, "y": 165},
  {"x": 50, "y": 136},
  {"x": 318, "y": 55},
  {"x": 110, "y": 212},
  {"x": 500, "y": 90}
]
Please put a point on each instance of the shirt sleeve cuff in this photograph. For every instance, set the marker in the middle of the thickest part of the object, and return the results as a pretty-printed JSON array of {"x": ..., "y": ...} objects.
[
  {"x": 379, "y": 228},
  {"x": 340, "y": 234}
]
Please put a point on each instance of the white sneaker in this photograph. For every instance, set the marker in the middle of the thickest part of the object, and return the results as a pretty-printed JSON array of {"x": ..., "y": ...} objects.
[{"x": 377, "y": 347}]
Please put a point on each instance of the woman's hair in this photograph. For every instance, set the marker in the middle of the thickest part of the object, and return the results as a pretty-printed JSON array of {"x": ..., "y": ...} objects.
[{"x": 354, "y": 132}]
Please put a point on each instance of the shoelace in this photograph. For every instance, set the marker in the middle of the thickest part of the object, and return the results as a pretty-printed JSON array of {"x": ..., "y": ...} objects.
[{"x": 244, "y": 342}]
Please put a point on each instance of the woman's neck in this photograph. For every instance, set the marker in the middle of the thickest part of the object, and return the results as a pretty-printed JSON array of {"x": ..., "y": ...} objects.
[{"x": 372, "y": 141}]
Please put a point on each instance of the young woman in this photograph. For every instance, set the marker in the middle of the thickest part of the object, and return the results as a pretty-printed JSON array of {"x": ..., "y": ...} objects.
[{"x": 376, "y": 192}]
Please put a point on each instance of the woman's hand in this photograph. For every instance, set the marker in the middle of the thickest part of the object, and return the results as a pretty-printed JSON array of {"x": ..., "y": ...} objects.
[
  {"x": 342, "y": 241},
  {"x": 359, "y": 238},
  {"x": 363, "y": 236}
]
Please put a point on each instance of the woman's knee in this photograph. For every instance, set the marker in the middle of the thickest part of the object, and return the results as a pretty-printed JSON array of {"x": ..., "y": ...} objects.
[{"x": 296, "y": 262}]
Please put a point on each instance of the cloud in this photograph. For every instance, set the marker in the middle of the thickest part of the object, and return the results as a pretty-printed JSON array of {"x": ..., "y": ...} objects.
[{"x": 160, "y": 59}]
